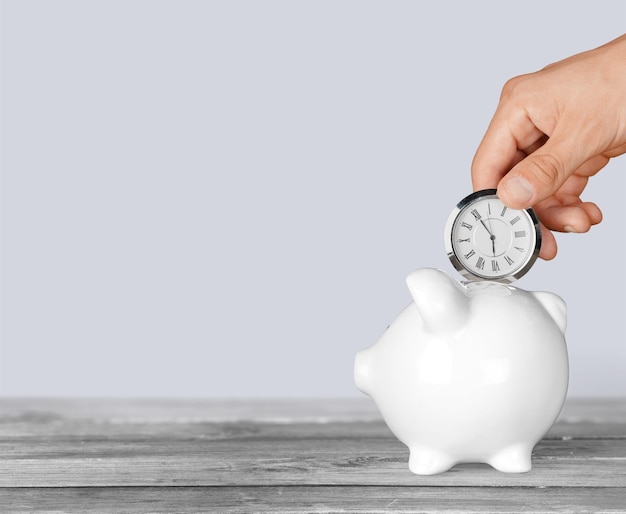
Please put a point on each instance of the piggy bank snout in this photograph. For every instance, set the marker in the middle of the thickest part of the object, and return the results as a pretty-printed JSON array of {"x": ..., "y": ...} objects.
[{"x": 363, "y": 370}]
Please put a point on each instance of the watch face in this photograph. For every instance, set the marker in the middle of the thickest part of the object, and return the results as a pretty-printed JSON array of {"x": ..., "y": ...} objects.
[{"x": 486, "y": 240}]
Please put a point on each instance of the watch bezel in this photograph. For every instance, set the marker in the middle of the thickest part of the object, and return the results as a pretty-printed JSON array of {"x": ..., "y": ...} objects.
[{"x": 469, "y": 274}]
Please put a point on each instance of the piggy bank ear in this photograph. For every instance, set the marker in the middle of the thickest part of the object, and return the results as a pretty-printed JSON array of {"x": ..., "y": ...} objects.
[
  {"x": 555, "y": 306},
  {"x": 440, "y": 300}
]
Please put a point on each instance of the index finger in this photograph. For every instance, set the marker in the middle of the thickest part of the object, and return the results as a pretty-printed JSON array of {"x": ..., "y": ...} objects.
[{"x": 510, "y": 133}]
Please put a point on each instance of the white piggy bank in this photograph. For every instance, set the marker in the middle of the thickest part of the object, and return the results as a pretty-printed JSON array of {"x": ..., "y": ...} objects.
[{"x": 472, "y": 372}]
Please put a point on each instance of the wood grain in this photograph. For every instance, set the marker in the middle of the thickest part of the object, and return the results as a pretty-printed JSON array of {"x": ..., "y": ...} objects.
[
  {"x": 321, "y": 499},
  {"x": 276, "y": 410},
  {"x": 88, "y": 455},
  {"x": 38, "y": 462}
]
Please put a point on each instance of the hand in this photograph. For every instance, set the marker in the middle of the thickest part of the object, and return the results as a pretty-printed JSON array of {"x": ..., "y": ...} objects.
[{"x": 552, "y": 130}]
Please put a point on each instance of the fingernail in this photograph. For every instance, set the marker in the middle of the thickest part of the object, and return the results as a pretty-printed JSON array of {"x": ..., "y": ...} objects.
[
  {"x": 519, "y": 189},
  {"x": 569, "y": 228}
]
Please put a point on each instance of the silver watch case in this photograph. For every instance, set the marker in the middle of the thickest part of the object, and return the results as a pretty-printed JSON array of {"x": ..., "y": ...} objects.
[{"x": 472, "y": 276}]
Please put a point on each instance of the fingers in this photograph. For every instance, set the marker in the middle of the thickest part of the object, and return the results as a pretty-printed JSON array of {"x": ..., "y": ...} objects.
[
  {"x": 511, "y": 136},
  {"x": 550, "y": 164},
  {"x": 548, "y": 248},
  {"x": 580, "y": 103},
  {"x": 565, "y": 211},
  {"x": 541, "y": 174},
  {"x": 571, "y": 218},
  {"x": 539, "y": 178},
  {"x": 576, "y": 217}
]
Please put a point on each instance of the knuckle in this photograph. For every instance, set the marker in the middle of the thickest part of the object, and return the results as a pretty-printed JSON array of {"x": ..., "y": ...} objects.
[
  {"x": 546, "y": 169},
  {"x": 512, "y": 87}
]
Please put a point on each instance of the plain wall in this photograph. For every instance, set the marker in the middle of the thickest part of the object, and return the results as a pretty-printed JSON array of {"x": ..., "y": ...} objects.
[{"x": 224, "y": 198}]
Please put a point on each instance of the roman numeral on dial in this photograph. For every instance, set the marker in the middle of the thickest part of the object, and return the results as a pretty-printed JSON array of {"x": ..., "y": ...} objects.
[
  {"x": 494, "y": 265},
  {"x": 514, "y": 220},
  {"x": 466, "y": 225},
  {"x": 469, "y": 254},
  {"x": 508, "y": 260},
  {"x": 476, "y": 214},
  {"x": 480, "y": 263}
]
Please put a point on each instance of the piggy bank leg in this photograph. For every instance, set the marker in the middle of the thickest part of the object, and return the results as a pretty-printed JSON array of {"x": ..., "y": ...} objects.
[
  {"x": 424, "y": 461},
  {"x": 513, "y": 459}
]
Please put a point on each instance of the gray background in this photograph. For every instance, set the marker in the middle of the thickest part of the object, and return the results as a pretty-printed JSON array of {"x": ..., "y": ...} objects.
[{"x": 224, "y": 198}]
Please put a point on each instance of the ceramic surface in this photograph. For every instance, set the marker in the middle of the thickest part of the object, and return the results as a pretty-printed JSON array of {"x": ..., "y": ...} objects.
[{"x": 472, "y": 372}]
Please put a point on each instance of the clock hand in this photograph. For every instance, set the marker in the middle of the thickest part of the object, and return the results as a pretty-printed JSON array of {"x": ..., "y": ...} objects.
[
  {"x": 491, "y": 236},
  {"x": 486, "y": 228}
]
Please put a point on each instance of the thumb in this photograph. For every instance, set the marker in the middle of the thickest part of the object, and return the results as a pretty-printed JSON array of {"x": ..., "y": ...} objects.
[{"x": 538, "y": 176}]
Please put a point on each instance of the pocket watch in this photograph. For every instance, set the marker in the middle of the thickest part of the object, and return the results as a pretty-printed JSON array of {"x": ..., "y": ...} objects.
[{"x": 486, "y": 240}]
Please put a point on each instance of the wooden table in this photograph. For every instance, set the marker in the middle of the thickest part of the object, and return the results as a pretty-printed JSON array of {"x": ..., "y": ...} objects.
[{"x": 82, "y": 455}]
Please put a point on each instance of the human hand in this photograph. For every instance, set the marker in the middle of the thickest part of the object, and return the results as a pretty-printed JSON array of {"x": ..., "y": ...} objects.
[{"x": 551, "y": 131}]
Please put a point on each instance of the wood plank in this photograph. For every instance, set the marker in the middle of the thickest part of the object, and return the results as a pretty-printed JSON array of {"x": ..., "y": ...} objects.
[
  {"x": 56, "y": 442},
  {"x": 285, "y": 442},
  {"x": 314, "y": 499},
  {"x": 341, "y": 418},
  {"x": 272, "y": 410},
  {"x": 50, "y": 427},
  {"x": 62, "y": 442},
  {"x": 37, "y": 462},
  {"x": 187, "y": 410}
]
